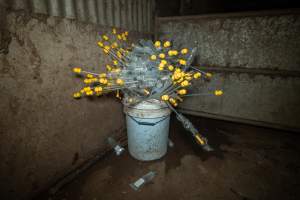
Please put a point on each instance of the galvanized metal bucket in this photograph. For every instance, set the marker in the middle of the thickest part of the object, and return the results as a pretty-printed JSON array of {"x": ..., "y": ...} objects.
[{"x": 148, "y": 129}]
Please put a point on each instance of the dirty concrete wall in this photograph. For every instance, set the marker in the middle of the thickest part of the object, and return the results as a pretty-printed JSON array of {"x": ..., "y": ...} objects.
[
  {"x": 134, "y": 15},
  {"x": 255, "y": 59},
  {"x": 44, "y": 132}
]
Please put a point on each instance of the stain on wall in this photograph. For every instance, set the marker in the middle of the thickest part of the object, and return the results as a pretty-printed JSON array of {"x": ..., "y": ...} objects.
[
  {"x": 255, "y": 58},
  {"x": 44, "y": 132}
]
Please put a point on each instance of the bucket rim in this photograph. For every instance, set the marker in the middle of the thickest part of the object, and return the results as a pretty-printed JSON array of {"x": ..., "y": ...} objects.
[{"x": 150, "y": 101}]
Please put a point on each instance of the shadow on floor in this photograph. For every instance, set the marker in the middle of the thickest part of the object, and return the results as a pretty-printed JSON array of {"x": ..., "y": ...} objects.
[{"x": 249, "y": 163}]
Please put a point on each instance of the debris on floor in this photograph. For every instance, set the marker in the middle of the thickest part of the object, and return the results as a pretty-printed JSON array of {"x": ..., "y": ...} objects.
[
  {"x": 143, "y": 180},
  {"x": 116, "y": 146},
  {"x": 249, "y": 163},
  {"x": 170, "y": 143}
]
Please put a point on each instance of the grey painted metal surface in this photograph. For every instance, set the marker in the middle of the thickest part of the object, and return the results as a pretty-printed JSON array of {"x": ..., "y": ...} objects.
[
  {"x": 92, "y": 11},
  {"x": 140, "y": 15},
  {"x": 255, "y": 59},
  {"x": 109, "y": 13},
  {"x": 149, "y": 10},
  {"x": 124, "y": 12},
  {"x": 117, "y": 13},
  {"x": 101, "y": 12},
  {"x": 54, "y": 8},
  {"x": 39, "y": 6},
  {"x": 81, "y": 9},
  {"x": 69, "y": 9},
  {"x": 129, "y": 14},
  {"x": 135, "y": 15},
  {"x": 144, "y": 17},
  {"x": 20, "y": 5}
]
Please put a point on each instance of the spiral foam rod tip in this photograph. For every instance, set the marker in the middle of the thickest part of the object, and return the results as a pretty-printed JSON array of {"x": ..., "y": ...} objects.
[
  {"x": 207, "y": 148},
  {"x": 119, "y": 150}
]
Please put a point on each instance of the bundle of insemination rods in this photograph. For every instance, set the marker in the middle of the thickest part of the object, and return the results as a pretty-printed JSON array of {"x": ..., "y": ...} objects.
[{"x": 143, "y": 71}]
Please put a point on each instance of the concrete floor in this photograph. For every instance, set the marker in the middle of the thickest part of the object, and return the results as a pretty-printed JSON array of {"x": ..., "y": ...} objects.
[{"x": 250, "y": 163}]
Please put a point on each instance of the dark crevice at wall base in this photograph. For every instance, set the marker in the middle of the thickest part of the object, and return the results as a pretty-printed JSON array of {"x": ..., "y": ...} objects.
[
  {"x": 261, "y": 13},
  {"x": 238, "y": 120}
]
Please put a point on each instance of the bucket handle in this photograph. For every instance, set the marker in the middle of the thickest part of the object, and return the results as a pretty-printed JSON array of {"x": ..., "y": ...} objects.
[{"x": 147, "y": 123}]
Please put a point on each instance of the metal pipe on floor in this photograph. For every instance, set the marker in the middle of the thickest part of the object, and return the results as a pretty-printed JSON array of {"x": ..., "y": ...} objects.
[{"x": 79, "y": 170}]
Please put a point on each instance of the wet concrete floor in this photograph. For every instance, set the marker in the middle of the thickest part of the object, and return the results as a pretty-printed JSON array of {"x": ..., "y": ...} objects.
[{"x": 250, "y": 163}]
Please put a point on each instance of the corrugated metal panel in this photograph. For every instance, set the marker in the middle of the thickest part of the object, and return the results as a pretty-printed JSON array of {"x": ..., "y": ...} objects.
[
  {"x": 20, "y": 5},
  {"x": 54, "y": 7},
  {"x": 101, "y": 12},
  {"x": 109, "y": 13},
  {"x": 80, "y": 10},
  {"x": 150, "y": 15},
  {"x": 92, "y": 11},
  {"x": 39, "y": 6},
  {"x": 124, "y": 11},
  {"x": 129, "y": 14},
  {"x": 140, "y": 16},
  {"x": 69, "y": 9},
  {"x": 147, "y": 16},
  {"x": 134, "y": 15},
  {"x": 117, "y": 13},
  {"x": 145, "y": 7}
]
